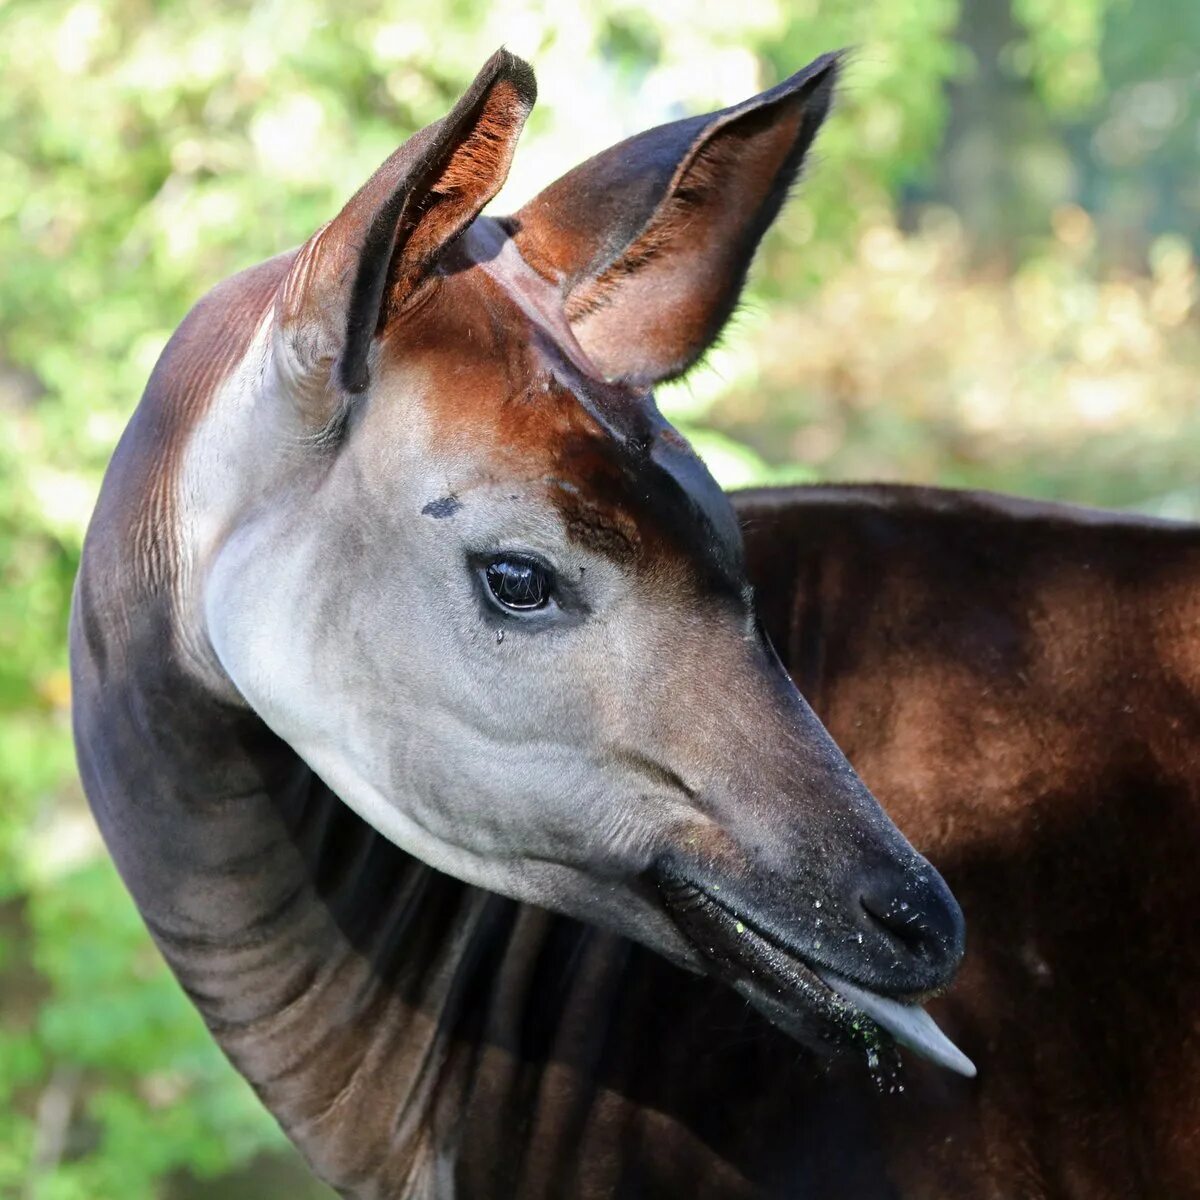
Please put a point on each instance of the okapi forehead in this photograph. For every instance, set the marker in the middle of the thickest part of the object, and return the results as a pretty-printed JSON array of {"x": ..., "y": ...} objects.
[{"x": 622, "y": 477}]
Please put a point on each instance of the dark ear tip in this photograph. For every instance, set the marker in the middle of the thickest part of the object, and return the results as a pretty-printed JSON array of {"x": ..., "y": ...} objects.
[
  {"x": 506, "y": 65},
  {"x": 813, "y": 86},
  {"x": 352, "y": 374},
  {"x": 820, "y": 74}
]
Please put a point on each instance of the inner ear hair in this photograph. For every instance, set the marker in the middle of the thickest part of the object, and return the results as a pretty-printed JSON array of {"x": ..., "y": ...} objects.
[
  {"x": 425, "y": 197},
  {"x": 714, "y": 161},
  {"x": 650, "y": 241},
  {"x": 456, "y": 189}
]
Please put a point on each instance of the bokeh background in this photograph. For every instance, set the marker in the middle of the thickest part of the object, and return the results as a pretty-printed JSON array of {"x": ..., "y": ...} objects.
[{"x": 987, "y": 279}]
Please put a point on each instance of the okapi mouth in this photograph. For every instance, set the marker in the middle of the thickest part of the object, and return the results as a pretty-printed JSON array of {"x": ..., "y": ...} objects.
[{"x": 782, "y": 980}]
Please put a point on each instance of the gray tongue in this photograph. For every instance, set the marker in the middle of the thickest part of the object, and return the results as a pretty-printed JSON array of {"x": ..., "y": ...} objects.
[{"x": 909, "y": 1024}]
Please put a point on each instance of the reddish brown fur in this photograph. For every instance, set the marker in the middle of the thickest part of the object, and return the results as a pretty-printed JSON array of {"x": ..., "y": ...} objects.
[
  {"x": 209, "y": 344},
  {"x": 504, "y": 383},
  {"x": 1020, "y": 685},
  {"x": 709, "y": 198},
  {"x": 698, "y": 210},
  {"x": 469, "y": 179}
]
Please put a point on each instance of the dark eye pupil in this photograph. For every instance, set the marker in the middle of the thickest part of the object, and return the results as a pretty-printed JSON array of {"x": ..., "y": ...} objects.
[{"x": 518, "y": 584}]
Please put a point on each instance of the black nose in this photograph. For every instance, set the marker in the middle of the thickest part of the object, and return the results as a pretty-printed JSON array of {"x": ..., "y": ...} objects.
[{"x": 916, "y": 913}]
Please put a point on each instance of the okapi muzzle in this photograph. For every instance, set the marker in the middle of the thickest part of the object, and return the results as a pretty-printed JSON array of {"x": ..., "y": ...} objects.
[
  {"x": 798, "y": 890},
  {"x": 428, "y": 526}
]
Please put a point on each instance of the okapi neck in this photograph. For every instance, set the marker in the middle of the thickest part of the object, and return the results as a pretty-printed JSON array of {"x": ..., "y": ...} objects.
[{"x": 335, "y": 971}]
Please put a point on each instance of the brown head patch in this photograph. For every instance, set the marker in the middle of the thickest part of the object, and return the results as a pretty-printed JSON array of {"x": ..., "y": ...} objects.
[{"x": 509, "y": 376}]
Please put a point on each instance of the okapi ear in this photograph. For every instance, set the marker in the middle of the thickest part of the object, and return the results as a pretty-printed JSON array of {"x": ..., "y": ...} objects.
[
  {"x": 353, "y": 275},
  {"x": 651, "y": 239}
]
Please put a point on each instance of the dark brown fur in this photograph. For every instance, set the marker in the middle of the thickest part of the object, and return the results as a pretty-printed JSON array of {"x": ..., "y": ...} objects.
[{"x": 1020, "y": 685}]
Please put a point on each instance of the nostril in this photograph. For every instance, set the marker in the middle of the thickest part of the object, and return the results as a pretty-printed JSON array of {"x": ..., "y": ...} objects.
[
  {"x": 918, "y": 916},
  {"x": 897, "y": 918}
]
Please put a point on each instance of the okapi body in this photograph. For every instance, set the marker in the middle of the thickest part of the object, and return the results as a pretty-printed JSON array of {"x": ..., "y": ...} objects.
[
  {"x": 421, "y": 697},
  {"x": 1020, "y": 685}
]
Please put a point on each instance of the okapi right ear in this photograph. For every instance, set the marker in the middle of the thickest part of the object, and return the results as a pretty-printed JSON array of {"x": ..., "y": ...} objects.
[
  {"x": 651, "y": 240},
  {"x": 351, "y": 277}
]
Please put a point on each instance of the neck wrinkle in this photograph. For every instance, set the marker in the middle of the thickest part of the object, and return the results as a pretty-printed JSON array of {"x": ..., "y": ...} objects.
[{"x": 337, "y": 973}]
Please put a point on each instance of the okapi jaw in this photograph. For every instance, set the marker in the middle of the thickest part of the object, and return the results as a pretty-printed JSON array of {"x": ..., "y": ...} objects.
[{"x": 429, "y": 395}]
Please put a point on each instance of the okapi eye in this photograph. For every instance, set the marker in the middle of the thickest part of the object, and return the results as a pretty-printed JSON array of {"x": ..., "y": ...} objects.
[{"x": 518, "y": 583}]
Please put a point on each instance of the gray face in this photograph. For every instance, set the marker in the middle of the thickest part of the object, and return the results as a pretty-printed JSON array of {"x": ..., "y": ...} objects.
[
  {"x": 546, "y": 752},
  {"x": 519, "y": 643},
  {"x": 434, "y": 405}
]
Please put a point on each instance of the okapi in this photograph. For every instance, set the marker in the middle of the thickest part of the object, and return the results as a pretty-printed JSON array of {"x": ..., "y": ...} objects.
[{"x": 423, "y": 700}]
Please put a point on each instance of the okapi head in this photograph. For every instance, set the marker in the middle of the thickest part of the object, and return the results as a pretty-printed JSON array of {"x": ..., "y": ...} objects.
[{"x": 445, "y": 546}]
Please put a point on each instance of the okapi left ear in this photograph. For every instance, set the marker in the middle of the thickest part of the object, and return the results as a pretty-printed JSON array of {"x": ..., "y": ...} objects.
[
  {"x": 651, "y": 239},
  {"x": 352, "y": 276}
]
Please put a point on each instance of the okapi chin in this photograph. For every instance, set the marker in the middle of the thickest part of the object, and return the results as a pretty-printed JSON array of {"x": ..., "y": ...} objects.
[{"x": 398, "y": 527}]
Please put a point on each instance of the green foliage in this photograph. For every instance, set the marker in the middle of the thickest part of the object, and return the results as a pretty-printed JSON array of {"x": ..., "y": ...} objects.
[
  {"x": 113, "y": 1034},
  {"x": 1062, "y": 49},
  {"x": 149, "y": 149}
]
